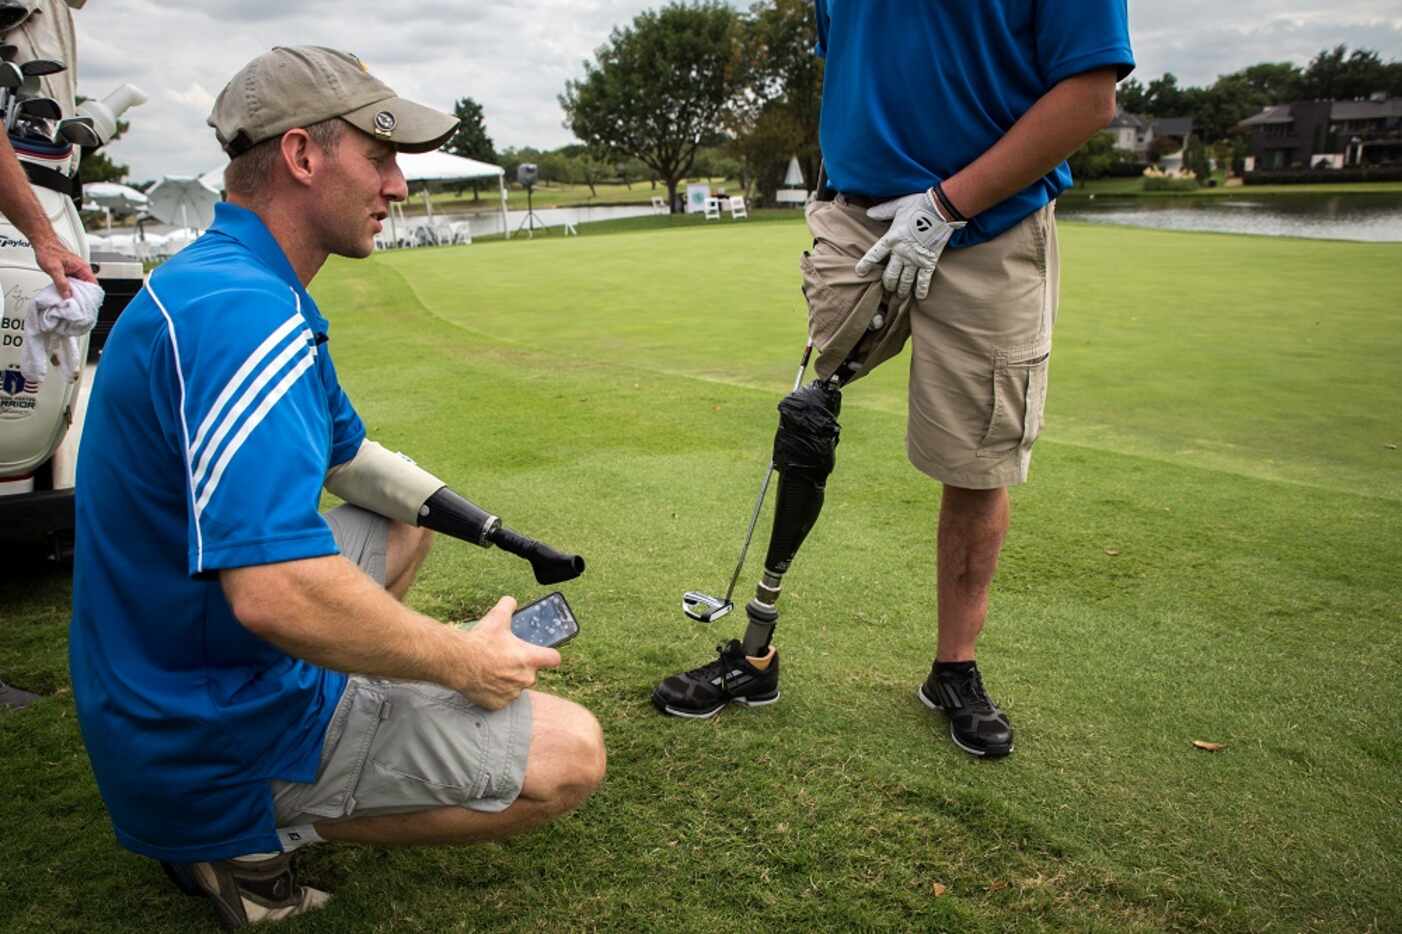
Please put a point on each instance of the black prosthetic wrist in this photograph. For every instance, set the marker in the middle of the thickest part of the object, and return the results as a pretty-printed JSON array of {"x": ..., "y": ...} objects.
[{"x": 451, "y": 514}]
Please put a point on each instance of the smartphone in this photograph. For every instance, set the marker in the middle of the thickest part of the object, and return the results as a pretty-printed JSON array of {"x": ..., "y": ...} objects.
[{"x": 548, "y": 621}]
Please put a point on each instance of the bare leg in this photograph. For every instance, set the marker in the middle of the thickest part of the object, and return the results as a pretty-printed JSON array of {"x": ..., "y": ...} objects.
[
  {"x": 971, "y": 529},
  {"x": 566, "y": 763},
  {"x": 404, "y": 553}
]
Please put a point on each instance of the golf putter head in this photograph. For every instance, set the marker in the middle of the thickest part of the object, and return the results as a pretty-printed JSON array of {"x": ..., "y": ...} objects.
[
  {"x": 703, "y": 607},
  {"x": 10, "y": 76}
]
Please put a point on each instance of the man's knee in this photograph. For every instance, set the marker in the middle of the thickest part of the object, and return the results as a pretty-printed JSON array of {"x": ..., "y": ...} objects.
[
  {"x": 568, "y": 759},
  {"x": 406, "y": 550}
]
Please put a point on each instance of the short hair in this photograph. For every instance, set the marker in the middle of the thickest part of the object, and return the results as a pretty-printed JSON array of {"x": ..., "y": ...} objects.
[{"x": 246, "y": 173}]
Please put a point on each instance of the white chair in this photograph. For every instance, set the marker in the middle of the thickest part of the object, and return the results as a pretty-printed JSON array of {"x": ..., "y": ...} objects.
[
  {"x": 659, "y": 206},
  {"x": 712, "y": 209},
  {"x": 462, "y": 231},
  {"x": 737, "y": 208}
]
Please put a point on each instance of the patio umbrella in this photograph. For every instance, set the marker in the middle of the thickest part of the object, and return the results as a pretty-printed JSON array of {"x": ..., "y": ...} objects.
[
  {"x": 109, "y": 197},
  {"x": 182, "y": 201},
  {"x": 114, "y": 197}
]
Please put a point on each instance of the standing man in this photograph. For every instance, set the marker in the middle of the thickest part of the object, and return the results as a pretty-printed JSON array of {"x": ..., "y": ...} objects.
[
  {"x": 246, "y": 677},
  {"x": 945, "y": 129}
]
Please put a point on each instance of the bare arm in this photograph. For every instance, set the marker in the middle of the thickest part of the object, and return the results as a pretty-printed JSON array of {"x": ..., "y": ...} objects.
[
  {"x": 21, "y": 208},
  {"x": 326, "y": 611},
  {"x": 1056, "y": 126}
]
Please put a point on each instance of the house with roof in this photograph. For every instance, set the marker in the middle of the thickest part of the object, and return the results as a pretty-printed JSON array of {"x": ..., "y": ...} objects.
[
  {"x": 1130, "y": 131},
  {"x": 1326, "y": 134}
]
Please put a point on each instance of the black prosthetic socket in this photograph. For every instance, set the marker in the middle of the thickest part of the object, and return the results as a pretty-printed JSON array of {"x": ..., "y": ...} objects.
[
  {"x": 804, "y": 454},
  {"x": 451, "y": 514},
  {"x": 447, "y": 512}
]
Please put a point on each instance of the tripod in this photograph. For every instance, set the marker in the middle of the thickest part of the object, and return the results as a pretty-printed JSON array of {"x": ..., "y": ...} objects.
[{"x": 530, "y": 221}]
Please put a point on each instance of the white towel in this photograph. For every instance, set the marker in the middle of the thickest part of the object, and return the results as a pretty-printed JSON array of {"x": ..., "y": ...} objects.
[{"x": 53, "y": 326}]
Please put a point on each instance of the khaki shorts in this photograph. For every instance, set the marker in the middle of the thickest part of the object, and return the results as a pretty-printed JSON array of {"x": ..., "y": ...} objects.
[
  {"x": 398, "y": 746},
  {"x": 980, "y": 341}
]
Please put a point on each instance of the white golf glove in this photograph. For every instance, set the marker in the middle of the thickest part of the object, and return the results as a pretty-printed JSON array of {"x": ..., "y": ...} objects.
[{"x": 914, "y": 243}]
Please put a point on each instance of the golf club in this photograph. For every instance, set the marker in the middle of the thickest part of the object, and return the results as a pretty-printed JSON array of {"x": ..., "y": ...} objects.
[
  {"x": 7, "y": 52},
  {"x": 78, "y": 131},
  {"x": 703, "y": 607},
  {"x": 40, "y": 108},
  {"x": 40, "y": 67}
]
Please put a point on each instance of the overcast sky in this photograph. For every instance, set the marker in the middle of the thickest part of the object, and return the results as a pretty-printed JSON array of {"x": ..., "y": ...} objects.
[{"x": 514, "y": 56}]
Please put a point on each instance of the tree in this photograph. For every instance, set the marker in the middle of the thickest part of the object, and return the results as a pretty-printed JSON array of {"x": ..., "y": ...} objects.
[
  {"x": 786, "y": 93},
  {"x": 1132, "y": 96},
  {"x": 1095, "y": 158},
  {"x": 471, "y": 140},
  {"x": 659, "y": 87},
  {"x": 1335, "y": 74},
  {"x": 1195, "y": 158}
]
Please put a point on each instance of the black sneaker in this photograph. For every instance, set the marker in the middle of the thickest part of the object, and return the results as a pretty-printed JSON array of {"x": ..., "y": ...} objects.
[
  {"x": 702, "y": 692},
  {"x": 976, "y": 724}
]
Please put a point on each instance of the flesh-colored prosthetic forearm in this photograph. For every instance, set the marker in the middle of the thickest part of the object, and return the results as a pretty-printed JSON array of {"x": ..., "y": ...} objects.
[{"x": 384, "y": 482}]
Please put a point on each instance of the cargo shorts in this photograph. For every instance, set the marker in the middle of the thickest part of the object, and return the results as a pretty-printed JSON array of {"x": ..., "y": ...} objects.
[
  {"x": 398, "y": 746},
  {"x": 980, "y": 341}
]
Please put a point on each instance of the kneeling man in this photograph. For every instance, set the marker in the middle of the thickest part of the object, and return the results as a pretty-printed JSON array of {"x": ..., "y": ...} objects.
[{"x": 247, "y": 679}]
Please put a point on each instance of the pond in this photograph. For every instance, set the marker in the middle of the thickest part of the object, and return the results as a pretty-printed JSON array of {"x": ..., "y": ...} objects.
[{"x": 1371, "y": 217}]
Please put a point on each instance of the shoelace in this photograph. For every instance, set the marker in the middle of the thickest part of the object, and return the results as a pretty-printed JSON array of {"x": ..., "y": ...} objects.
[{"x": 970, "y": 688}]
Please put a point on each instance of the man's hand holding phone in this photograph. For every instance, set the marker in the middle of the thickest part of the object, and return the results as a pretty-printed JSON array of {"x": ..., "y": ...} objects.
[{"x": 499, "y": 665}]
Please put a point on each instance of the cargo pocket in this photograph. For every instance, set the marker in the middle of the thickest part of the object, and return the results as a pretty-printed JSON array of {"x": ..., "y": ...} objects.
[
  {"x": 1019, "y": 382},
  {"x": 349, "y": 739},
  {"x": 428, "y": 752}
]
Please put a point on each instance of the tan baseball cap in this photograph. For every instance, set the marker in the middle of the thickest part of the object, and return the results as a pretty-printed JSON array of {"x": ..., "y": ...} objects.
[{"x": 297, "y": 87}]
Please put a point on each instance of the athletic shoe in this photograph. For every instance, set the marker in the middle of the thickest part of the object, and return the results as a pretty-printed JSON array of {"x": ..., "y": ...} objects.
[
  {"x": 976, "y": 724},
  {"x": 15, "y": 698},
  {"x": 702, "y": 692},
  {"x": 248, "y": 891}
]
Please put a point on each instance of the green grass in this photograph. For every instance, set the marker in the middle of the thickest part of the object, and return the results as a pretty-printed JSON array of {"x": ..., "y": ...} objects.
[{"x": 1220, "y": 419}]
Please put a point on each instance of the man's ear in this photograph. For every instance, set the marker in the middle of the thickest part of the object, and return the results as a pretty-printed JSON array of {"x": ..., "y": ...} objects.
[{"x": 301, "y": 156}]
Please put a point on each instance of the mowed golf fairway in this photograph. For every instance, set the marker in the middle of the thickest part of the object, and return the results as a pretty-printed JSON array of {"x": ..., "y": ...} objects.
[{"x": 1208, "y": 550}]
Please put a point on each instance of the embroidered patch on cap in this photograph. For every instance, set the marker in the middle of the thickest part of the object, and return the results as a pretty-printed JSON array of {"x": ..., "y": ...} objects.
[{"x": 385, "y": 123}]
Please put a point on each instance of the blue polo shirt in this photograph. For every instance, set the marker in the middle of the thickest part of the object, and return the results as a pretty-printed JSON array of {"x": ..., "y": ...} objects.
[
  {"x": 915, "y": 90},
  {"x": 215, "y": 415}
]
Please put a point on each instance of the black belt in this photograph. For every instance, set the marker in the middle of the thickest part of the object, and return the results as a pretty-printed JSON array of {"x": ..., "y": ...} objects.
[
  {"x": 861, "y": 201},
  {"x": 53, "y": 180}
]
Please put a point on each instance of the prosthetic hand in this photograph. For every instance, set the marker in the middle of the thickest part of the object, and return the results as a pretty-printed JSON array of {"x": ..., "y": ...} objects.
[
  {"x": 914, "y": 243},
  {"x": 804, "y": 454},
  {"x": 395, "y": 487}
]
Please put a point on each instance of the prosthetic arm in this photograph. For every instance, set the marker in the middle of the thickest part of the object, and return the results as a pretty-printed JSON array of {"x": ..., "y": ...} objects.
[{"x": 393, "y": 486}]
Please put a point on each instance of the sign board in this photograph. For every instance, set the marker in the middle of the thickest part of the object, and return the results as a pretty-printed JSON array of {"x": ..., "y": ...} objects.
[{"x": 696, "y": 198}]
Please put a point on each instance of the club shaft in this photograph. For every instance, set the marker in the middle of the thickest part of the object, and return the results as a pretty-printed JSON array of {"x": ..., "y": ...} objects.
[{"x": 764, "y": 487}]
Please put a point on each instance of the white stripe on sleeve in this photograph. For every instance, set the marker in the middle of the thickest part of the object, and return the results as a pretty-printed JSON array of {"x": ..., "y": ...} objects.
[{"x": 249, "y": 424}]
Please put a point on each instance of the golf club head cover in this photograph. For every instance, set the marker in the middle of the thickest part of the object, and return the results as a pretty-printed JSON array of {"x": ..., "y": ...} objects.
[{"x": 805, "y": 448}]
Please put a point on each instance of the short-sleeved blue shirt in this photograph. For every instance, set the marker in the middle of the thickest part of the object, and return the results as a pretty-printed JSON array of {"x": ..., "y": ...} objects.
[
  {"x": 215, "y": 415},
  {"x": 915, "y": 90}
]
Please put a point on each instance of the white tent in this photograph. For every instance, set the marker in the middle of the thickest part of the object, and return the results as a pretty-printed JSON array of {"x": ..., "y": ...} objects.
[{"x": 440, "y": 166}]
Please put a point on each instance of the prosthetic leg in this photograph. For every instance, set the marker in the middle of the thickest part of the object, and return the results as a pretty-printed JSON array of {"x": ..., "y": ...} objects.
[{"x": 805, "y": 449}]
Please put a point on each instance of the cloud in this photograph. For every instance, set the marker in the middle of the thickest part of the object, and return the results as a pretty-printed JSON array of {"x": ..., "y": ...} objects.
[{"x": 514, "y": 56}]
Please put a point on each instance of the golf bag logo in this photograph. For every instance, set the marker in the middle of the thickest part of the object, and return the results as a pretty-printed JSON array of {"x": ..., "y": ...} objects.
[
  {"x": 18, "y": 396},
  {"x": 385, "y": 123}
]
